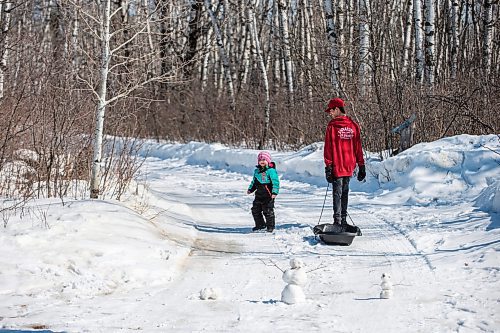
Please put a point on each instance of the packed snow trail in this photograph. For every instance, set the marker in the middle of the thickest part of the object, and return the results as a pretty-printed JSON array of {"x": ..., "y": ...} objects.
[
  {"x": 216, "y": 207},
  {"x": 108, "y": 266}
]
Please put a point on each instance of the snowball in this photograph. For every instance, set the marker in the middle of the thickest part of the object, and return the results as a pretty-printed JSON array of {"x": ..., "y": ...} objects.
[
  {"x": 292, "y": 294},
  {"x": 209, "y": 293},
  {"x": 296, "y": 263},
  {"x": 386, "y": 293},
  {"x": 295, "y": 276}
]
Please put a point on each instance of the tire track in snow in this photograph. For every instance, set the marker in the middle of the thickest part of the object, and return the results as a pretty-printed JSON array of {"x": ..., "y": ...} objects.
[{"x": 413, "y": 245}]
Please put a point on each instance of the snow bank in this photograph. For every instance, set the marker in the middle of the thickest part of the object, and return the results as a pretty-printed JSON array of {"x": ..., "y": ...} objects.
[
  {"x": 83, "y": 249},
  {"x": 489, "y": 199},
  {"x": 442, "y": 171}
]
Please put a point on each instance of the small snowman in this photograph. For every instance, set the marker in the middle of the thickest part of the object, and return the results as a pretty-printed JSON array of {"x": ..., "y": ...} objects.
[
  {"x": 386, "y": 286},
  {"x": 209, "y": 293},
  {"x": 296, "y": 277}
]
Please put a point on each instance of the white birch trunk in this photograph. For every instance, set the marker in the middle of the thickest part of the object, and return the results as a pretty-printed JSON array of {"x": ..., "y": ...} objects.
[
  {"x": 206, "y": 58},
  {"x": 351, "y": 25},
  {"x": 302, "y": 43},
  {"x": 419, "y": 55},
  {"x": 407, "y": 38},
  {"x": 5, "y": 14},
  {"x": 285, "y": 33},
  {"x": 262, "y": 66},
  {"x": 341, "y": 18},
  {"x": 102, "y": 102},
  {"x": 364, "y": 47},
  {"x": 332, "y": 38},
  {"x": 487, "y": 35},
  {"x": 309, "y": 27},
  {"x": 223, "y": 56},
  {"x": 430, "y": 35},
  {"x": 454, "y": 38},
  {"x": 246, "y": 59},
  {"x": 274, "y": 50}
]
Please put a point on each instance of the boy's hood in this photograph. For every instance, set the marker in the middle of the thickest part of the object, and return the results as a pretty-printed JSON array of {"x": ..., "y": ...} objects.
[{"x": 341, "y": 121}]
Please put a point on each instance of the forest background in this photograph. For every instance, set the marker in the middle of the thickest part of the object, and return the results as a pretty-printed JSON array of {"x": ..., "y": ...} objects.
[{"x": 79, "y": 79}]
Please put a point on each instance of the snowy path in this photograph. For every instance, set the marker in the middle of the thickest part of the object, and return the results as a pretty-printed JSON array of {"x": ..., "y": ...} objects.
[
  {"x": 223, "y": 245},
  {"x": 103, "y": 266}
]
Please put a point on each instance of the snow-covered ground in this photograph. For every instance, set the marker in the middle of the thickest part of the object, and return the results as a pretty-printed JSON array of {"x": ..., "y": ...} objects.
[{"x": 430, "y": 218}]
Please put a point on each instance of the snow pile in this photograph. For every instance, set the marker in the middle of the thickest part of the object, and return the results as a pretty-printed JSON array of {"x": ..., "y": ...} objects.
[
  {"x": 83, "y": 249},
  {"x": 489, "y": 199},
  {"x": 442, "y": 171}
]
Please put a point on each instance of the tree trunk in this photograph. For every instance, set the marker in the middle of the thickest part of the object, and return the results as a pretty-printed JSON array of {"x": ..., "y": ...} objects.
[
  {"x": 285, "y": 34},
  {"x": 102, "y": 102},
  {"x": 224, "y": 59},
  {"x": 407, "y": 38},
  {"x": 430, "y": 34},
  {"x": 454, "y": 38},
  {"x": 262, "y": 66},
  {"x": 419, "y": 56},
  {"x": 5, "y": 15},
  {"x": 332, "y": 37},
  {"x": 364, "y": 47},
  {"x": 487, "y": 35}
]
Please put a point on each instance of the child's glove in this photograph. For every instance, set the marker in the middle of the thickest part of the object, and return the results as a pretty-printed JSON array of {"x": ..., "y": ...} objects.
[
  {"x": 361, "y": 173},
  {"x": 328, "y": 173}
]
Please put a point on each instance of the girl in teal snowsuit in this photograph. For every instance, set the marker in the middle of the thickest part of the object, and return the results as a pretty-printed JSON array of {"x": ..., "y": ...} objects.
[{"x": 266, "y": 185}]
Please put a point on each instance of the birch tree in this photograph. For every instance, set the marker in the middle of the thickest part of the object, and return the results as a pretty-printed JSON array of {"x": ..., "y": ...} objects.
[
  {"x": 364, "y": 46},
  {"x": 262, "y": 66},
  {"x": 5, "y": 15},
  {"x": 224, "y": 58},
  {"x": 487, "y": 34},
  {"x": 333, "y": 38},
  {"x": 285, "y": 35},
  {"x": 123, "y": 60},
  {"x": 419, "y": 55},
  {"x": 430, "y": 34},
  {"x": 454, "y": 38},
  {"x": 407, "y": 37}
]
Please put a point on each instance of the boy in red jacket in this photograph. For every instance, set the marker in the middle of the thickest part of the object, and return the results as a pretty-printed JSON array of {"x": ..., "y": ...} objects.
[{"x": 341, "y": 153}]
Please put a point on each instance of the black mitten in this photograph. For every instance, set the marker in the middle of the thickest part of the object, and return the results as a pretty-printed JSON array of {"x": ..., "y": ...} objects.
[
  {"x": 329, "y": 174},
  {"x": 361, "y": 173}
]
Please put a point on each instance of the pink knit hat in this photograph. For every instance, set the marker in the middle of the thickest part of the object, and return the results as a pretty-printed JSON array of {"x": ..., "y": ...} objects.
[{"x": 264, "y": 155}]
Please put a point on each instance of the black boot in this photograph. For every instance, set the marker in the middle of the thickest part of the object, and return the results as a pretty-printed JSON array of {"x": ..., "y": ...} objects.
[
  {"x": 270, "y": 219},
  {"x": 257, "y": 217}
]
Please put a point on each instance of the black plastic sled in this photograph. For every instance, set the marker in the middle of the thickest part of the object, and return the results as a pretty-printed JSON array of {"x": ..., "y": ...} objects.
[{"x": 336, "y": 235}]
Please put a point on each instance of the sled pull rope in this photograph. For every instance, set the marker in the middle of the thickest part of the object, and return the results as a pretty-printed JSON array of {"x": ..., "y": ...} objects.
[{"x": 322, "y": 208}]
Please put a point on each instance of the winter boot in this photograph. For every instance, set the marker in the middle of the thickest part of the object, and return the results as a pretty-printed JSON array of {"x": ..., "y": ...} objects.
[
  {"x": 270, "y": 219},
  {"x": 259, "y": 227}
]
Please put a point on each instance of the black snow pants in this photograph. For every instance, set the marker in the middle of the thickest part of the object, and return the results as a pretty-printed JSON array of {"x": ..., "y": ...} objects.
[{"x": 263, "y": 208}]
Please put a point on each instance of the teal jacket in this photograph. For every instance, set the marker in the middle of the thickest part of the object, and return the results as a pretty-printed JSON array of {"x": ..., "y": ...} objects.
[{"x": 265, "y": 181}]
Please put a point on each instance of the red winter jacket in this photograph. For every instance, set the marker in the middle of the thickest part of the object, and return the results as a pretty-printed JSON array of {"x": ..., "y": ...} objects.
[{"x": 343, "y": 146}]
